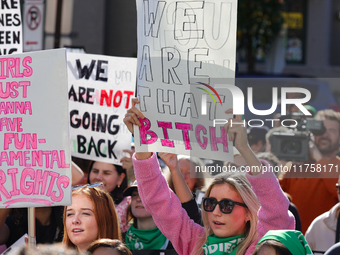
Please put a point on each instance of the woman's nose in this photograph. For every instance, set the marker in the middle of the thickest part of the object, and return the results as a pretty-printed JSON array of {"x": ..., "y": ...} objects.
[
  {"x": 76, "y": 219},
  {"x": 99, "y": 177}
]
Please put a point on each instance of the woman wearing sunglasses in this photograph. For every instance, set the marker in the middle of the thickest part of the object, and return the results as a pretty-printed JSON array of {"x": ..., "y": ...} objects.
[
  {"x": 115, "y": 182},
  {"x": 91, "y": 216},
  {"x": 238, "y": 209}
]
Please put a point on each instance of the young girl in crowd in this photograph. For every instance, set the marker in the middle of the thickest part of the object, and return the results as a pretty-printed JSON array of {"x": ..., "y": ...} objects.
[
  {"x": 283, "y": 242},
  {"x": 91, "y": 216},
  {"x": 115, "y": 182},
  {"x": 237, "y": 212},
  {"x": 143, "y": 234}
]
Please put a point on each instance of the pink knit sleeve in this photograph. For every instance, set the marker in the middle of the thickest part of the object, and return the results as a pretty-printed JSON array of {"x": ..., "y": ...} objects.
[
  {"x": 165, "y": 207},
  {"x": 273, "y": 213}
]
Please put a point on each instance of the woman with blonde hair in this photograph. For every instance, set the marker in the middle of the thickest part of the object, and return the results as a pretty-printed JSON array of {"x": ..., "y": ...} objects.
[
  {"x": 91, "y": 216},
  {"x": 237, "y": 210}
]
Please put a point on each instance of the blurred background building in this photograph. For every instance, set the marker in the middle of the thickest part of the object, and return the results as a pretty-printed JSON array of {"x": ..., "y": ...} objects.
[{"x": 307, "y": 44}]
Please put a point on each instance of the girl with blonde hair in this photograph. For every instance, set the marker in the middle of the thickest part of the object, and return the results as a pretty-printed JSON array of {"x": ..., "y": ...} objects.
[{"x": 237, "y": 210}]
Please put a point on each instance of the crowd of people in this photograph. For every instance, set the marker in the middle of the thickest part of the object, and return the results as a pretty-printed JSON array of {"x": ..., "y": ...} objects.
[{"x": 149, "y": 202}]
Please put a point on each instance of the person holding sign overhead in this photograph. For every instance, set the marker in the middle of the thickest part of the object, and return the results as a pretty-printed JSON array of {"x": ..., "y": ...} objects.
[
  {"x": 238, "y": 208},
  {"x": 91, "y": 216},
  {"x": 114, "y": 179}
]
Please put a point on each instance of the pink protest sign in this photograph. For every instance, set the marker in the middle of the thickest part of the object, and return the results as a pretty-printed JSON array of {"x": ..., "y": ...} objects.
[{"x": 35, "y": 150}]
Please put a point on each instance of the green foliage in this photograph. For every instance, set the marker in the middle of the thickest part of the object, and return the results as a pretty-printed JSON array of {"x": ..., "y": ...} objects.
[{"x": 258, "y": 23}]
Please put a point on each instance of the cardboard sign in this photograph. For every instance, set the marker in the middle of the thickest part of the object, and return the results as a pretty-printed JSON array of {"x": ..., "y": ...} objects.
[
  {"x": 100, "y": 92},
  {"x": 10, "y": 27},
  {"x": 34, "y": 129},
  {"x": 185, "y": 49}
]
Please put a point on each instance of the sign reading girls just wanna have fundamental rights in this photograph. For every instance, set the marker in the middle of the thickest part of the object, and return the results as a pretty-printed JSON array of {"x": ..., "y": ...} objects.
[{"x": 34, "y": 130}]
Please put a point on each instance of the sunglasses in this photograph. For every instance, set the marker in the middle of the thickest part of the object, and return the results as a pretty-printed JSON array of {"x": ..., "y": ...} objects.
[
  {"x": 94, "y": 185},
  {"x": 226, "y": 205}
]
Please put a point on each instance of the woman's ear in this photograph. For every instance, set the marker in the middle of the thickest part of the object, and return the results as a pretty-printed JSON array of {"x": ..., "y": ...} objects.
[
  {"x": 247, "y": 218},
  {"x": 121, "y": 178}
]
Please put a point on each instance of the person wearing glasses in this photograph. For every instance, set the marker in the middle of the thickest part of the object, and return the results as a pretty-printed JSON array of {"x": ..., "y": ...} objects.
[
  {"x": 321, "y": 233},
  {"x": 237, "y": 211},
  {"x": 91, "y": 216},
  {"x": 115, "y": 182}
]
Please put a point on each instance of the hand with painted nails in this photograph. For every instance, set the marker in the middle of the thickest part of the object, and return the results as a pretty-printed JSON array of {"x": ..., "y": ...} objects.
[{"x": 132, "y": 115}]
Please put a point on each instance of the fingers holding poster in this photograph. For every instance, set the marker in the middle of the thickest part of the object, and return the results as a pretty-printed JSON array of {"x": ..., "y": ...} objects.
[
  {"x": 10, "y": 27},
  {"x": 35, "y": 151},
  {"x": 186, "y": 50},
  {"x": 100, "y": 92}
]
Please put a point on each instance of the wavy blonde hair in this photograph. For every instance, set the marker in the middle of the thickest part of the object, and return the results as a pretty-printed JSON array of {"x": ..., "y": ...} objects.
[{"x": 242, "y": 186}]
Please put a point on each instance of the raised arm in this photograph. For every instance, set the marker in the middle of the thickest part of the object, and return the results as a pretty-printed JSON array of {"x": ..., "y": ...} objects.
[
  {"x": 181, "y": 188},
  {"x": 158, "y": 199},
  {"x": 238, "y": 133}
]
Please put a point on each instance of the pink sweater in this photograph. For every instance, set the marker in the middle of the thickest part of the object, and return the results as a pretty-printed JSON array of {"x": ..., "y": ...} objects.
[{"x": 175, "y": 224}]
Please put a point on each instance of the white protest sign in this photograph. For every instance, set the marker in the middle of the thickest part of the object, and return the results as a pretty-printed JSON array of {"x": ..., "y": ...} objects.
[
  {"x": 33, "y": 25},
  {"x": 100, "y": 92},
  {"x": 35, "y": 159},
  {"x": 10, "y": 27},
  {"x": 185, "y": 49}
]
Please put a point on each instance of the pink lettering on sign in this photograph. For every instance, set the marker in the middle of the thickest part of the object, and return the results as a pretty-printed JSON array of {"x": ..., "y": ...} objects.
[
  {"x": 53, "y": 177},
  {"x": 11, "y": 67},
  {"x": 34, "y": 183},
  {"x": 2, "y": 188},
  {"x": 12, "y": 89},
  {"x": 200, "y": 128},
  {"x": 165, "y": 126},
  {"x": 13, "y": 172},
  {"x": 40, "y": 180},
  {"x": 28, "y": 71},
  {"x": 29, "y": 139},
  {"x": 27, "y": 187},
  {"x": 11, "y": 124},
  {"x": 144, "y": 131},
  {"x": 185, "y": 131},
  {"x": 214, "y": 140},
  {"x": 29, "y": 200},
  {"x": 62, "y": 180},
  {"x": 16, "y": 108}
]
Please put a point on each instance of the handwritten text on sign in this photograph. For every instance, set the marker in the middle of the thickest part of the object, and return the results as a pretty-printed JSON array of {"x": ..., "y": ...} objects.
[
  {"x": 10, "y": 27},
  {"x": 100, "y": 92},
  {"x": 184, "y": 49},
  {"x": 34, "y": 157}
]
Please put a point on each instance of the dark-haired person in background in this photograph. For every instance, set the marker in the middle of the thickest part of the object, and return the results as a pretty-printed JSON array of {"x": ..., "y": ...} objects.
[{"x": 115, "y": 182}]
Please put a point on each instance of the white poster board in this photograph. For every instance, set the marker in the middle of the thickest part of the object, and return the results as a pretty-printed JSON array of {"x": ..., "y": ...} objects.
[
  {"x": 33, "y": 24},
  {"x": 100, "y": 92},
  {"x": 35, "y": 159},
  {"x": 10, "y": 27},
  {"x": 185, "y": 50}
]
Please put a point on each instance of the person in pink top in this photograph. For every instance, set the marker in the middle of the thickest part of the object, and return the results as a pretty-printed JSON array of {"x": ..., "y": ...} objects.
[{"x": 238, "y": 209}]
